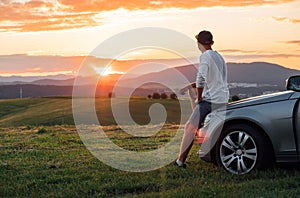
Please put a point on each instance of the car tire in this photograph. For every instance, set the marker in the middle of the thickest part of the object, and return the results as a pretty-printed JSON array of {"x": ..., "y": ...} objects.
[{"x": 242, "y": 148}]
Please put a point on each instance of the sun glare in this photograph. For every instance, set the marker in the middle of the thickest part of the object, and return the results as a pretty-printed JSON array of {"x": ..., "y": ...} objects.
[
  {"x": 103, "y": 71},
  {"x": 107, "y": 71}
]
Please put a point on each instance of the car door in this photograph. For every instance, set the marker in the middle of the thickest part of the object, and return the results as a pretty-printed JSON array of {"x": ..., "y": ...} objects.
[
  {"x": 296, "y": 96},
  {"x": 298, "y": 126},
  {"x": 293, "y": 84}
]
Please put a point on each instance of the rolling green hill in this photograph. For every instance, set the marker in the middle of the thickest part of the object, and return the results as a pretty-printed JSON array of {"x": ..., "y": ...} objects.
[
  {"x": 58, "y": 111},
  {"x": 36, "y": 111}
]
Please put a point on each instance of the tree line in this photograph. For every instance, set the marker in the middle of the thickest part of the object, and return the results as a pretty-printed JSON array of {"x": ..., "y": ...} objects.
[{"x": 162, "y": 96}]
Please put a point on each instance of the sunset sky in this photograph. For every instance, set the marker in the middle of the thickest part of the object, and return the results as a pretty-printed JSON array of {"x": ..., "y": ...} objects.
[{"x": 42, "y": 37}]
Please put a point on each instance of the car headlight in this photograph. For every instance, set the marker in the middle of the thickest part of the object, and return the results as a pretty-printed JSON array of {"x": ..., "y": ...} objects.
[{"x": 207, "y": 119}]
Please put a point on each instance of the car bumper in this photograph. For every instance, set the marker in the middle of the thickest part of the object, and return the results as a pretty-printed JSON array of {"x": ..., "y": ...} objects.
[
  {"x": 201, "y": 138},
  {"x": 208, "y": 135}
]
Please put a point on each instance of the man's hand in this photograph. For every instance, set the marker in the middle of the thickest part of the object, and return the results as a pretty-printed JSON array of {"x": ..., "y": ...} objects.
[
  {"x": 198, "y": 100},
  {"x": 187, "y": 87},
  {"x": 199, "y": 94},
  {"x": 183, "y": 90}
]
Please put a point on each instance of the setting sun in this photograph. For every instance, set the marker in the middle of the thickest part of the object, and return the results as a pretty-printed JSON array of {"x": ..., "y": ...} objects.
[{"x": 102, "y": 71}]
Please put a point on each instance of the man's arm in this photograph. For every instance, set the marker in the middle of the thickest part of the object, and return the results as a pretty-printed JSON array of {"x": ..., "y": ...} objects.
[
  {"x": 187, "y": 87},
  {"x": 201, "y": 77}
]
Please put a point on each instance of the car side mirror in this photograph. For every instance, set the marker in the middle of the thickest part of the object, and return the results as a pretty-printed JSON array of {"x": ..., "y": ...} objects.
[{"x": 293, "y": 83}]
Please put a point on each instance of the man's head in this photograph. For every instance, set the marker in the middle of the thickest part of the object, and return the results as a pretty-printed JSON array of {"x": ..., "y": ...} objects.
[{"x": 205, "y": 40}]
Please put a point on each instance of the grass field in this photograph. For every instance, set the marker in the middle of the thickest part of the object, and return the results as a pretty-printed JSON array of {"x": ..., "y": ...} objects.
[
  {"x": 58, "y": 110},
  {"x": 41, "y": 155}
]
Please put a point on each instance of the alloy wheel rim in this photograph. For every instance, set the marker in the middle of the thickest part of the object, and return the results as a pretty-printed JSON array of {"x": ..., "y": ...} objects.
[{"x": 238, "y": 152}]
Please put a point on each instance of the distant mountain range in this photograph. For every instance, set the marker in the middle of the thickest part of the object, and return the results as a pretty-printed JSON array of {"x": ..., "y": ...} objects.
[
  {"x": 260, "y": 73},
  {"x": 244, "y": 78},
  {"x": 31, "y": 79}
]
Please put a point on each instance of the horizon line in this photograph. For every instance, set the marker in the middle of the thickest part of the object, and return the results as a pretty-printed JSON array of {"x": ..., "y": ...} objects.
[{"x": 73, "y": 73}]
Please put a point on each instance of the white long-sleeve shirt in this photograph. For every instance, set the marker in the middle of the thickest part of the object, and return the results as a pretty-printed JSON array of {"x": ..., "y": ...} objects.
[{"x": 212, "y": 77}]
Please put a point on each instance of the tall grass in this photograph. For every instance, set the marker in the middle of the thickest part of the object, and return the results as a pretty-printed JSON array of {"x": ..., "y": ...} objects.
[{"x": 55, "y": 163}]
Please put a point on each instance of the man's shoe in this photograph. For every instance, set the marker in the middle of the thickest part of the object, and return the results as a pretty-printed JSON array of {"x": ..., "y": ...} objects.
[{"x": 182, "y": 166}]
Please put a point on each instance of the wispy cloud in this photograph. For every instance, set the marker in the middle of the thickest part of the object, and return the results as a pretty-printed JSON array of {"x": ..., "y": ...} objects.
[
  {"x": 236, "y": 54},
  {"x": 39, "y": 15},
  {"x": 297, "y": 42},
  {"x": 237, "y": 51},
  {"x": 286, "y": 19},
  {"x": 22, "y": 63},
  {"x": 99, "y": 5},
  {"x": 261, "y": 56}
]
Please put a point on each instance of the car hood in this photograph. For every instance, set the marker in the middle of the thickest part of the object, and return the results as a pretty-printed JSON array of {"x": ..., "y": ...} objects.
[{"x": 261, "y": 99}]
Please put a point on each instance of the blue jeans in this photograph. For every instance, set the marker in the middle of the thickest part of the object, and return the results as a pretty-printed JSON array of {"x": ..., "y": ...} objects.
[{"x": 199, "y": 113}]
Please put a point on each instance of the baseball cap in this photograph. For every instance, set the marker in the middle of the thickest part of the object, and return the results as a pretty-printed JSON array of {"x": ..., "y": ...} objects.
[{"x": 204, "y": 37}]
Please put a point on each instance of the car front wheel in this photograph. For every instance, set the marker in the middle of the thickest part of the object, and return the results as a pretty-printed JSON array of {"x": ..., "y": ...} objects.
[{"x": 242, "y": 148}]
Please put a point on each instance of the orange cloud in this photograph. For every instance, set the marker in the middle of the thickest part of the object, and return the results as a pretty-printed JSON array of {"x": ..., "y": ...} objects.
[
  {"x": 285, "y": 19},
  {"x": 292, "y": 42},
  {"x": 19, "y": 63},
  {"x": 237, "y": 51},
  {"x": 34, "y": 69},
  {"x": 236, "y": 54},
  {"x": 39, "y": 15},
  {"x": 99, "y": 5}
]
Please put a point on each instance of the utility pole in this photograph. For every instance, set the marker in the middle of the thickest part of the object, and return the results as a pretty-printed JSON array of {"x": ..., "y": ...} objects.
[{"x": 21, "y": 92}]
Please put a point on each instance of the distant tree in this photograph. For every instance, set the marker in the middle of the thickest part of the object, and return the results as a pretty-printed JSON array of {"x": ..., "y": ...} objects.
[
  {"x": 235, "y": 98},
  {"x": 173, "y": 96},
  {"x": 163, "y": 96},
  {"x": 156, "y": 96},
  {"x": 149, "y": 96}
]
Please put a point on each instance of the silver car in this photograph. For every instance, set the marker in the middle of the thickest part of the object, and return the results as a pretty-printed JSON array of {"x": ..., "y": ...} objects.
[{"x": 254, "y": 133}]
